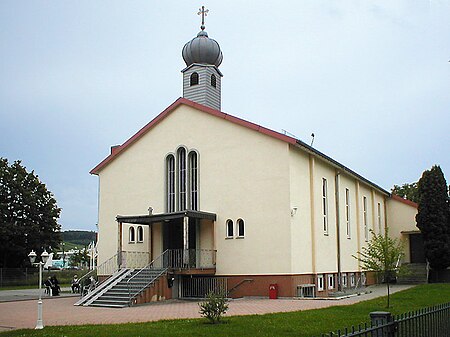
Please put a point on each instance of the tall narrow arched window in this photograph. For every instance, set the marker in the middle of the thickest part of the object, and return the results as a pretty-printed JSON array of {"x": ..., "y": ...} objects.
[
  {"x": 140, "y": 234},
  {"x": 240, "y": 228},
  {"x": 193, "y": 180},
  {"x": 213, "y": 80},
  {"x": 132, "y": 237},
  {"x": 194, "y": 79},
  {"x": 230, "y": 228},
  {"x": 182, "y": 196},
  {"x": 170, "y": 188}
]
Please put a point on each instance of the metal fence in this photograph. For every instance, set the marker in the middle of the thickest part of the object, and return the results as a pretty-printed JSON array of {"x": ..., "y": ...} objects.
[
  {"x": 428, "y": 322},
  {"x": 199, "y": 287}
]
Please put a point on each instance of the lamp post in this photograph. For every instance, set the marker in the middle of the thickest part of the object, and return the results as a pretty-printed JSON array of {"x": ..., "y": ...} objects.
[{"x": 44, "y": 258}]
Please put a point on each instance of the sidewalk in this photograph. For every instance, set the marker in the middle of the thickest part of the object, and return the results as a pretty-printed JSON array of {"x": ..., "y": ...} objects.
[
  {"x": 61, "y": 311},
  {"x": 31, "y": 294}
]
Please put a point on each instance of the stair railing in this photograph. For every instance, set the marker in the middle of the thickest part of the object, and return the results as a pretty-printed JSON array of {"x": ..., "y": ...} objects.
[
  {"x": 107, "y": 266},
  {"x": 161, "y": 262}
]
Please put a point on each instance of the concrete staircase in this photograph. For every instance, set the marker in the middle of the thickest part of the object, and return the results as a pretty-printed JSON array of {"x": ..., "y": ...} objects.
[
  {"x": 416, "y": 273},
  {"x": 122, "y": 287}
]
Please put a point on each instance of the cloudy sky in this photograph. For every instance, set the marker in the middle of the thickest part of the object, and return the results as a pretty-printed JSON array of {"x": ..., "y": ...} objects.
[{"x": 371, "y": 79}]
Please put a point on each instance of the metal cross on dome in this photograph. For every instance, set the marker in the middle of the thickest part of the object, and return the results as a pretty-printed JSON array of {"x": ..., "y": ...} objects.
[{"x": 203, "y": 12}]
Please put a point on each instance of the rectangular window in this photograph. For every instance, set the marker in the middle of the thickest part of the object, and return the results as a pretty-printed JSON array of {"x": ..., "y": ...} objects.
[
  {"x": 319, "y": 282},
  {"x": 352, "y": 279},
  {"x": 379, "y": 217},
  {"x": 344, "y": 280},
  {"x": 366, "y": 226},
  {"x": 325, "y": 205},
  {"x": 347, "y": 211},
  {"x": 330, "y": 281}
]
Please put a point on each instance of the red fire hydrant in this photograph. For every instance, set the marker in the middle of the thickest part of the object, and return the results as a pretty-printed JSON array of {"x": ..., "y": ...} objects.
[{"x": 273, "y": 291}]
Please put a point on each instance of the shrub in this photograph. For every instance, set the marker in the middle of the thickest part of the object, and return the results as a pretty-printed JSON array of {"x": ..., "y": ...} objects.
[{"x": 214, "y": 306}]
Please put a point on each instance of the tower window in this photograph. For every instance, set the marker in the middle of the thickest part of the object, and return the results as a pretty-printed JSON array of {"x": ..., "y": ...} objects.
[
  {"x": 325, "y": 206},
  {"x": 194, "y": 78},
  {"x": 213, "y": 80}
]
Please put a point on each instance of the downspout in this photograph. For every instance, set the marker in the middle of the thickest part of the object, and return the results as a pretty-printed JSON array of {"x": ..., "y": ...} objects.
[{"x": 338, "y": 228}]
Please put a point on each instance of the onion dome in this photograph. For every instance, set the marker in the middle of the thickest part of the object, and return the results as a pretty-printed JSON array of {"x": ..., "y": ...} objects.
[{"x": 202, "y": 50}]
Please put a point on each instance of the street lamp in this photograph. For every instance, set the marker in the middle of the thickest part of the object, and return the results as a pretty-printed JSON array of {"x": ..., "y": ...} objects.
[{"x": 44, "y": 258}]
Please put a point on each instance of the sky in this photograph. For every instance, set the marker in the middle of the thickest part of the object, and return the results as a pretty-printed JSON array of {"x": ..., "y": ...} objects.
[{"x": 371, "y": 80}]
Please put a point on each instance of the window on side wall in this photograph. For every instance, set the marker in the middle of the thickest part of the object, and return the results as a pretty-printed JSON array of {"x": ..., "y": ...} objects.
[
  {"x": 319, "y": 282},
  {"x": 230, "y": 229},
  {"x": 379, "y": 217},
  {"x": 347, "y": 212},
  {"x": 325, "y": 205},
  {"x": 365, "y": 224},
  {"x": 352, "y": 279},
  {"x": 240, "y": 228},
  {"x": 344, "y": 280}
]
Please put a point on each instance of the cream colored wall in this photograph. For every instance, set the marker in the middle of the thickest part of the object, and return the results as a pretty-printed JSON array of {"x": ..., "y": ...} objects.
[
  {"x": 243, "y": 174},
  {"x": 401, "y": 218},
  {"x": 301, "y": 244},
  {"x": 349, "y": 243},
  {"x": 326, "y": 252}
]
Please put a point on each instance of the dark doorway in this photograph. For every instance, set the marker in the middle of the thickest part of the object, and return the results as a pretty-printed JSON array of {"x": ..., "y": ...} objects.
[
  {"x": 416, "y": 250},
  {"x": 173, "y": 234}
]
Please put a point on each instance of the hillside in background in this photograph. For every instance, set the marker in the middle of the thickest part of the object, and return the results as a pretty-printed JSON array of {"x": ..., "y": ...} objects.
[{"x": 78, "y": 239}]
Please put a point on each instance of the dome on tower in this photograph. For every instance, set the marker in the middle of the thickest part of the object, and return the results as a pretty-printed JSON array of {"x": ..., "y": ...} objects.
[{"x": 202, "y": 50}]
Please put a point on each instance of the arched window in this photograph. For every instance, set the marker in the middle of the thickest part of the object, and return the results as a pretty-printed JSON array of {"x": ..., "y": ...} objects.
[
  {"x": 230, "y": 229},
  {"x": 140, "y": 234},
  {"x": 240, "y": 228},
  {"x": 132, "y": 236},
  {"x": 182, "y": 179},
  {"x": 193, "y": 180},
  {"x": 213, "y": 80},
  {"x": 194, "y": 78},
  {"x": 170, "y": 188}
]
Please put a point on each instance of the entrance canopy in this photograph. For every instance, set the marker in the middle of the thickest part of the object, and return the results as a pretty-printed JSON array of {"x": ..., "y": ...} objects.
[{"x": 165, "y": 217}]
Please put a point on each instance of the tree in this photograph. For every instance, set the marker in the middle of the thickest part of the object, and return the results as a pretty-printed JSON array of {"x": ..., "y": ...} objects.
[
  {"x": 80, "y": 258},
  {"x": 214, "y": 307},
  {"x": 382, "y": 255},
  {"x": 407, "y": 191},
  {"x": 28, "y": 215},
  {"x": 433, "y": 217}
]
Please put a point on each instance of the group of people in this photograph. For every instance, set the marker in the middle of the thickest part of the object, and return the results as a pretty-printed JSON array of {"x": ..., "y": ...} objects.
[
  {"x": 52, "y": 286},
  {"x": 85, "y": 287}
]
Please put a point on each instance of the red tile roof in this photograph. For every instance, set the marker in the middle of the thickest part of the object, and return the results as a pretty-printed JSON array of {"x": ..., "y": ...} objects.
[
  {"x": 405, "y": 201},
  {"x": 116, "y": 151}
]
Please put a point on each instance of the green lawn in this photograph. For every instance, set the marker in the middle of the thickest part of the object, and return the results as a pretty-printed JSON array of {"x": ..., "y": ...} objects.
[{"x": 302, "y": 323}]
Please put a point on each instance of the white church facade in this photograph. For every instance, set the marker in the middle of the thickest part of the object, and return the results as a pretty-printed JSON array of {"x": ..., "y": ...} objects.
[{"x": 224, "y": 199}]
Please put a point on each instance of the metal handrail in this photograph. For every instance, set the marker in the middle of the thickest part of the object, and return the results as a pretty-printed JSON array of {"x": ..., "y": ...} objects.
[
  {"x": 82, "y": 278},
  {"x": 150, "y": 266}
]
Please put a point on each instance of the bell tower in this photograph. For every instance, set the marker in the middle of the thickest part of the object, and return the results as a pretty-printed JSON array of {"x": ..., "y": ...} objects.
[{"x": 202, "y": 77}]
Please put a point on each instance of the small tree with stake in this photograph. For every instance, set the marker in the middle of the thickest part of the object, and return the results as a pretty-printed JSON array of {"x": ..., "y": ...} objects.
[
  {"x": 214, "y": 306},
  {"x": 382, "y": 255}
]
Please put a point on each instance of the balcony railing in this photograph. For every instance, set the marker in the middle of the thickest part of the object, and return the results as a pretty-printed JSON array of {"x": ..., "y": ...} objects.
[{"x": 190, "y": 259}]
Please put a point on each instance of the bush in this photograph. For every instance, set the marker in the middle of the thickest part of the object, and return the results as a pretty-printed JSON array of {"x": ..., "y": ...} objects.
[{"x": 214, "y": 306}]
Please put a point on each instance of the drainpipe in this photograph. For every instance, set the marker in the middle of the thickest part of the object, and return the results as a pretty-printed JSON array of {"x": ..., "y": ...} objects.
[{"x": 338, "y": 228}]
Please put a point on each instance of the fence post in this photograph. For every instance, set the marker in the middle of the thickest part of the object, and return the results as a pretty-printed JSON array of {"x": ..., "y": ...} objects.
[{"x": 382, "y": 319}]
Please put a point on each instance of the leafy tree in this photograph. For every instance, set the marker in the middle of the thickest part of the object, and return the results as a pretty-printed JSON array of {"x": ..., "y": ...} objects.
[
  {"x": 28, "y": 215},
  {"x": 80, "y": 259},
  {"x": 214, "y": 307},
  {"x": 407, "y": 191},
  {"x": 433, "y": 217},
  {"x": 382, "y": 255}
]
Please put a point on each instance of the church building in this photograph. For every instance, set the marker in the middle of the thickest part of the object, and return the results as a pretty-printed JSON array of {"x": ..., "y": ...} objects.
[{"x": 223, "y": 202}]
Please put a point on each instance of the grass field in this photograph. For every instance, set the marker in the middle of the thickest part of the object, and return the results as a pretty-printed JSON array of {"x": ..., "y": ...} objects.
[{"x": 302, "y": 323}]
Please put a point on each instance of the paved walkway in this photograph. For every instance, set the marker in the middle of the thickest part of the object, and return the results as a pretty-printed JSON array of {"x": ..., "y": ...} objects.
[
  {"x": 61, "y": 311},
  {"x": 30, "y": 294}
]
